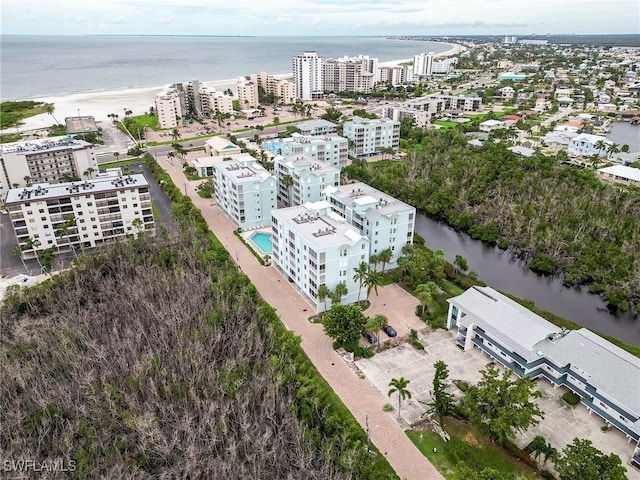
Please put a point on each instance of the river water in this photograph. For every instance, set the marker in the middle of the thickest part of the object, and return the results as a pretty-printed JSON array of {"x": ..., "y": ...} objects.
[
  {"x": 625, "y": 133},
  {"x": 502, "y": 271}
]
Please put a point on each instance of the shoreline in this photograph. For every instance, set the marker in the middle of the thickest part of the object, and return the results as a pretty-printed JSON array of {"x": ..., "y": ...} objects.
[{"x": 100, "y": 103}]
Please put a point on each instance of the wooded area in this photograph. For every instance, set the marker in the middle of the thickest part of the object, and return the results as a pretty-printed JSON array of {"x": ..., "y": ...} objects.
[
  {"x": 156, "y": 358},
  {"x": 561, "y": 219}
]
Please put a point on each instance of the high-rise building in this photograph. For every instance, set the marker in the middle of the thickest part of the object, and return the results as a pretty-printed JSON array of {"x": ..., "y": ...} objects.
[
  {"x": 397, "y": 75},
  {"x": 190, "y": 99},
  {"x": 308, "y": 76},
  {"x": 169, "y": 109},
  {"x": 423, "y": 64},
  {"x": 47, "y": 160},
  {"x": 247, "y": 93},
  {"x": 82, "y": 214},
  {"x": 284, "y": 90},
  {"x": 345, "y": 74}
]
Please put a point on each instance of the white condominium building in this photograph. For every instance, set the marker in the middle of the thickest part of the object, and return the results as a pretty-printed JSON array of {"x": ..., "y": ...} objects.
[
  {"x": 307, "y": 178},
  {"x": 245, "y": 191},
  {"x": 370, "y": 135},
  {"x": 47, "y": 160},
  {"x": 444, "y": 66},
  {"x": 218, "y": 101},
  {"x": 247, "y": 93},
  {"x": 169, "y": 109},
  {"x": 314, "y": 246},
  {"x": 331, "y": 149},
  {"x": 398, "y": 75},
  {"x": 284, "y": 90},
  {"x": 387, "y": 222},
  {"x": 79, "y": 214},
  {"x": 350, "y": 74},
  {"x": 316, "y": 127},
  {"x": 423, "y": 64},
  {"x": 308, "y": 76}
]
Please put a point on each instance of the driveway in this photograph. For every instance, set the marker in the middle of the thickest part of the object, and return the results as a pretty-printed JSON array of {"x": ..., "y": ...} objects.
[
  {"x": 359, "y": 395},
  {"x": 560, "y": 425}
]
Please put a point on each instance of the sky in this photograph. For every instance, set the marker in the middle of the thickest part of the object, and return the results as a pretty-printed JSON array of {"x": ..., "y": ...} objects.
[{"x": 319, "y": 17}]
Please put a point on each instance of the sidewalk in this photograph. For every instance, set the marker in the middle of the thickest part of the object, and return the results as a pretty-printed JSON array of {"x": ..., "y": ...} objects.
[{"x": 359, "y": 395}]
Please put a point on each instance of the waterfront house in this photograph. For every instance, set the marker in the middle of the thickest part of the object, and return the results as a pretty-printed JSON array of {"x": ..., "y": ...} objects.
[
  {"x": 605, "y": 377},
  {"x": 587, "y": 145},
  {"x": 491, "y": 125},
  {"x": 620, "y": 174}
]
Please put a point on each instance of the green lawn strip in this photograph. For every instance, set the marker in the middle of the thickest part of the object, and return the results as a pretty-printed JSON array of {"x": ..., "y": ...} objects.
[
  {"x": 446, "y": 123},
  {"x": 119, "y": 163},
  {"x": 146, "y": 120},
  {"x": 466, "y": 448},
  {"x": 156, "y": 211},
  {"x": 180, "y": 140}
]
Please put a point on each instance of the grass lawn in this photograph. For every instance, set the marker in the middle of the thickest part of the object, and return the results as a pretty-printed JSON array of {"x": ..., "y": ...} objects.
[
  {"x": 14, "y": 112},
  {"x": 467, "y": 447},
  {"x": 120, "y": 163},
  {"x": 180, "y": 140},
  {"x": 156, "y": 211},
  {"x": 446, "y": 123},
  {"x": 146, "y": 120}
]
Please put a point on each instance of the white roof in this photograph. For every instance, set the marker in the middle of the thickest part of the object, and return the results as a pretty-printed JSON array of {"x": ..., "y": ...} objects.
[
  {"x": 492, "y": 123},
  {"x": 517, "y": 327},
  {"x": 630, "y": 173},
  {"x": 587, "y": 137}
]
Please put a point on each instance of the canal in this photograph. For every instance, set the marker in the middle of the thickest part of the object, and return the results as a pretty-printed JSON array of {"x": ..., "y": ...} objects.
[{"x": 502, "y": 271}]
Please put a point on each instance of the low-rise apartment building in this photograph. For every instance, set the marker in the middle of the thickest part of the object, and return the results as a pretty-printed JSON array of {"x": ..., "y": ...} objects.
[
  {"x": 387, "y": 222},
  {"x": 314, "y": 246},
  {"x": 620, "y": 174},
  {"x": 605, "y": 377},
  {"x": 245, "y": 192},
  {"x": 316, "y": 128},
  {"x": 75, "y": 215},
  {"x": 47, "y": 160},
  {"x": 331, "y": 149},
  {"x": 302, "y": 179},
  {"x": 370, "y": 135}
]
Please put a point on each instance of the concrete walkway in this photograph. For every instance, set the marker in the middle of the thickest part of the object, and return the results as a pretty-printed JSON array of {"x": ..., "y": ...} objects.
[{"x": 359, "y": 395}]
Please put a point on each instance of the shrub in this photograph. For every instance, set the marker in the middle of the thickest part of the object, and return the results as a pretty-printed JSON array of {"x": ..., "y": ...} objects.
[
  {"x": 571, "y": 398},
  {"x": 464, "y": 386},
  {"x": 387, "y": 407}
]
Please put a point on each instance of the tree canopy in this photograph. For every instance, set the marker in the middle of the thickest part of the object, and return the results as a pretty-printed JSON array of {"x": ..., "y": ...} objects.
[
  {"x": 580, "y": 459},
  {"x": 501, "y": 405},
  {"x": 344, "y": 323}
]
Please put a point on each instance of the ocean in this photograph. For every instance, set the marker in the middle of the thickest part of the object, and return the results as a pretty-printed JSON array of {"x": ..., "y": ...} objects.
[{"x": 36, "y": 66}]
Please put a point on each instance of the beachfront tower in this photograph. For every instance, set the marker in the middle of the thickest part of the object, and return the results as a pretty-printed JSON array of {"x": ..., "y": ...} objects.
[{"x": 308, "y": 70}]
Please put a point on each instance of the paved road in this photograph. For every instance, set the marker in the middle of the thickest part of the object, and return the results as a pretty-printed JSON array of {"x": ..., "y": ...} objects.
[{"x": 359, "y": 395}]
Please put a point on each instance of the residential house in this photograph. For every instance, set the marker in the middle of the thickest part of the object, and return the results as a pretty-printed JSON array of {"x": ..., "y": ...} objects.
[
  {"x": 491, "y": 125},
  {"x": 620, "y": 174},
  {"x": 587, "y": 145}
]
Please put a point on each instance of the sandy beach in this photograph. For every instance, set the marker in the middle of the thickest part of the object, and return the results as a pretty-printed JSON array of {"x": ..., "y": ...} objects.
[{"x": 138, "y": 100}]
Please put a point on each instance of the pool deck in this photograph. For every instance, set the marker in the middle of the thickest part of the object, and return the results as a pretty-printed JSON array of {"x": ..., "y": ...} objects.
[{"x": 247, "y": 234}]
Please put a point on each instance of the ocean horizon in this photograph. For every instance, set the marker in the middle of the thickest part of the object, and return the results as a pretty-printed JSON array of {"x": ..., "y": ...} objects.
[{"x": 45, "y": 66}]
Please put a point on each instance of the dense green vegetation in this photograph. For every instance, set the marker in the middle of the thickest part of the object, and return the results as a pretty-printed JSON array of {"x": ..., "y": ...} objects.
[
  {"x": 12, "y": 112},
  {"x": 155, "y": 357},
  {"x": 560, "y": 219}
]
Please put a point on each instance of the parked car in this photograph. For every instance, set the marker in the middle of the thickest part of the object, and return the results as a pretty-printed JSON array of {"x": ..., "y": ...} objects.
[
  {"x": 371, "y": 338},
  {"x": 390, "y": 331}
]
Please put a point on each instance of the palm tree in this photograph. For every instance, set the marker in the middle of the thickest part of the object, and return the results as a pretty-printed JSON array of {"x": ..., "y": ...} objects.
[
  {"x": 425, "y": 293},
  {"x": 116, "y": 155},
  {"x": 175, "y": 134},
  {"x": 50, "y": 108},
  {"x": 27, "y": 179},
  {"x": 32, "y": 244},
  {"x": 539, "y": 447},
  {"x": 385, "y": 257},
  {"x": 377, "y": 323},
  {"x": 89, "y": 172},
  {"x": 374, "y": 260},
  {"x": 171, "y": 155},
  {"x": 340, "y": 291},
  {"x": 63, "y": 230},
  {"x": 613, "y": 149},
  {"x": 360, "y": 275},
  {"x": 323, "y": 294},
  {"x": 399, "y": 385},
  {"x": 308, "y": 108},
  {"x": 373, "y": 279},
  {"x": 287, "y": 182},
  {"x": 17, "y": 251},
  {"x": 602, "y": 146},
  {"x": 276, "y": 122},
  {"x": 404, "y": 265}
]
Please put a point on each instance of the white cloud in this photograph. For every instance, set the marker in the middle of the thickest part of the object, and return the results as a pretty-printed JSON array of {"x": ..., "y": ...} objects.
[{"x": 320, "y": 17}]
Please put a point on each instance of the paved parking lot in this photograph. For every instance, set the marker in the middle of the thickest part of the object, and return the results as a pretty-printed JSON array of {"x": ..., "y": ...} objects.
[{"x": 561, "y": 423}]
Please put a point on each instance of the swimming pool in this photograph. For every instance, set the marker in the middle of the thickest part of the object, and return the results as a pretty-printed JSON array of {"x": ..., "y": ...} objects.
[
  {"x": 263, "y": 242},
  {"x": 274, "y": 147}
]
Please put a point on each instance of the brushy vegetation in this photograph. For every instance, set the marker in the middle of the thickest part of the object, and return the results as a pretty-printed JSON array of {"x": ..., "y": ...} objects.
[
  {"x": 155, "y": 357},
  {"x": 561, "y": 219},
  {"x": 571, "y": 398},
  {"x": 11, "y": 113}
]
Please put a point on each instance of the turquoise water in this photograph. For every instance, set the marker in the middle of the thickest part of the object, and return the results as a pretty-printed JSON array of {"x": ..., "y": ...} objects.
[
  {"x": 263, "y": 242},
  {"x": 273, "y": 147}
]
